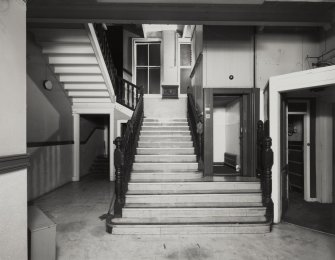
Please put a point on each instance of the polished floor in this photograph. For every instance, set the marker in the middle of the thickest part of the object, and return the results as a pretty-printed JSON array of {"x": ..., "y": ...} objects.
[
  {"x": 314, "y": 215},
  {"x": 76, "y": 208}
]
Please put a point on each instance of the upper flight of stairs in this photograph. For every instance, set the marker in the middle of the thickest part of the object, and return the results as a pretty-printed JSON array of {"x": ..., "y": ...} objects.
[
  {"x": 73, "y": 56},
  {"x": 168, "y": 195}
]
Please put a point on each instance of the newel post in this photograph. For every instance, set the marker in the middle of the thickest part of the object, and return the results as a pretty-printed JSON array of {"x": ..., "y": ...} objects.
[
  {"x": 267, "y": 177},
  {"x": 260, "y": 137},
  {"x": 118, "y": 163}
]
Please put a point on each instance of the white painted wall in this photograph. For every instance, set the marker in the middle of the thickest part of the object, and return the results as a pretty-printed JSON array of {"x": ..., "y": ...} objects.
[
  {"x": 324, "y": 151},
  {"x": 219, "y": 134},
  {"x": 233, "y": 123},
  {"x": 228, "y": 51},
  {"x": 49, "y": 118},
  {"x": 156, "y": 107},
  {"x": 169, "y": 58},
  {"x": 13, "y": 186},
  {"x": 279, "y": 53}
]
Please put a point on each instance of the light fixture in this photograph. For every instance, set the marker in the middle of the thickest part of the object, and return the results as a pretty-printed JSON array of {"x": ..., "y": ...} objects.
[{"x": 47, "y": 84}]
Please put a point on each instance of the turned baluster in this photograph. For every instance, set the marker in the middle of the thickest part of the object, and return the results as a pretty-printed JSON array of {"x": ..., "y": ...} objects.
[
  {"x": 119, "y": 164},
  {"x": 128, "y": 93}
]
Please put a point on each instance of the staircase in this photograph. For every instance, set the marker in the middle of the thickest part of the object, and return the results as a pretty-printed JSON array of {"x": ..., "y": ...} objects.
[
  {"x": 168, "y": 195},
  {"x": 100, "y": 166}
]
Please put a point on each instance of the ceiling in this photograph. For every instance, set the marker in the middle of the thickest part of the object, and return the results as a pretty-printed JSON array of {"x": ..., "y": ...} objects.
[{"x": 271, "y": 12}]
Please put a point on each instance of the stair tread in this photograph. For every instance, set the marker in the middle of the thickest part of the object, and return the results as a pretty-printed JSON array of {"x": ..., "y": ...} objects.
[
  {"x": 194, "y": 205},
  {"x": 192, "y": 192}
]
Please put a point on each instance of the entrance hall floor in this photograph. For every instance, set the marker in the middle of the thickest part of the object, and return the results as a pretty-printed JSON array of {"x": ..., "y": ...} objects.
[{"x": 76, "y": 208}]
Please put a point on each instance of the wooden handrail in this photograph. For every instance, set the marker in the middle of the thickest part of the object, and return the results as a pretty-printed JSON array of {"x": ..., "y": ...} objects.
[
  {"x": 126, "y": 92},
  {"x": 124, "y": 155},
  {"x": 264, "y": 167},
  {"x": 196, "y": 124}
]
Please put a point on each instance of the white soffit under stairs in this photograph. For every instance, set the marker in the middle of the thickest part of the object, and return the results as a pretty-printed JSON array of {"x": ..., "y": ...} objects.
[{"x": 74, "y": 56}]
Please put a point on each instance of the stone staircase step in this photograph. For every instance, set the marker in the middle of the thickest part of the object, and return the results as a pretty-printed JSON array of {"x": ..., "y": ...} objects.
[
  {"x": 165, "y": 151},
  {"x": 165, "y": 158},
  {"x": 194, "y": 212},
  {"x": 187, "y": 229},
  {"x": 168, "y": 167},
  {"x": 165, "y": 124},
  {"x": 165, "y": 120},
  {"x": 238, "y": 198},
  {"x": 165, "y": 128},
  {"x": 165, "y": 133},
  {"x": 165, "y": 176},
  {"x": 165, "y": 138},
  {"x": 170, "y": 145},
  {"x": 175, "y": 187},
  {"x": 189, "y": 219}
]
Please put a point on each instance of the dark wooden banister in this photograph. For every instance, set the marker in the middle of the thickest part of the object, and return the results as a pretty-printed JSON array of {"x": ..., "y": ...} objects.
[
  {"x": 264, "y": 167},
  {"x": 124, "y": 155},
  {"x": 196, "y": 120},
  {"x": 127, "y": 93}
]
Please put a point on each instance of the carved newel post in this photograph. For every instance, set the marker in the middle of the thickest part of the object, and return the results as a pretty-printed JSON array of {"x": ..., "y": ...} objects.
[
  {"x": 118, "y": 163},
  {"x": 260, "y": 137},
  {"x": 267, "y": 177}
]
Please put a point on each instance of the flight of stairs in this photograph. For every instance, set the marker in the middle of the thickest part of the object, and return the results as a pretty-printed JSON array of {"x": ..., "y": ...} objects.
[
  {"x": 168, "y": 195},
  {"x": 100, "y": 166}
]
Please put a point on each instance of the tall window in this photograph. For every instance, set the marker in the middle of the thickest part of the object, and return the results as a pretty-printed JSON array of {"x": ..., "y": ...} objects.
[
  {"x": 148, "y": 66},
  {"x": 185, "y": 65}
]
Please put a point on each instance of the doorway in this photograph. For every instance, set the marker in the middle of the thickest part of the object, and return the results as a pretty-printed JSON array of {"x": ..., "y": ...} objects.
[
  {"x": 227, "y": 134},
  {"x": 241, "y": 147}
]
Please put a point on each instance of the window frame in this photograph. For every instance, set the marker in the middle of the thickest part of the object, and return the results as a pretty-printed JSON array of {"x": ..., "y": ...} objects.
[
  {"x": 148, "y": 42},
  {"x": 180, "y": 42}
]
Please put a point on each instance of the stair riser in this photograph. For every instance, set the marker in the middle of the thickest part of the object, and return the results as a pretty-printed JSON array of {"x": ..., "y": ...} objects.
[
  {"x": 198, "y": 186},
  {"x": 165, "y": 145},
  {"x": 165, "y": 124},
  {"x": 194, "y": 198},
  {"x": 167, "y": 133},
  {"x": 187, "y": 230},
  {"x": 165, "y": 120},
  {"x": 165, "y": 158},
  {"x": 192, "y": 212},
  {"x": 167, "y": 167},
  {"x": 165, "y": 128},
  {"x": 188, "y": 151},
  {"x": 156, "y": 178},
  {"x": 192, "y": 219},
  {"x": 165, "y": 138}
]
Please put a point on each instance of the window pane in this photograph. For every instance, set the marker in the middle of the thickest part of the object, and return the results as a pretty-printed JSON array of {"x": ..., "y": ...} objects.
[
  {"x": 142, "y": 78},
  {"x": 185, "y": 80},
  {"x": 154, "y": 54},
  {"x": 142, "y": 55},
  {"x": 185, "y": 55},
  {"x": 155, "y": 81}
]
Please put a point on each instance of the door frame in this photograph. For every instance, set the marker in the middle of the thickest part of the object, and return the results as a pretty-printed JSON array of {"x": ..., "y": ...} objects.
[{"x": 250, "y": 100}]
